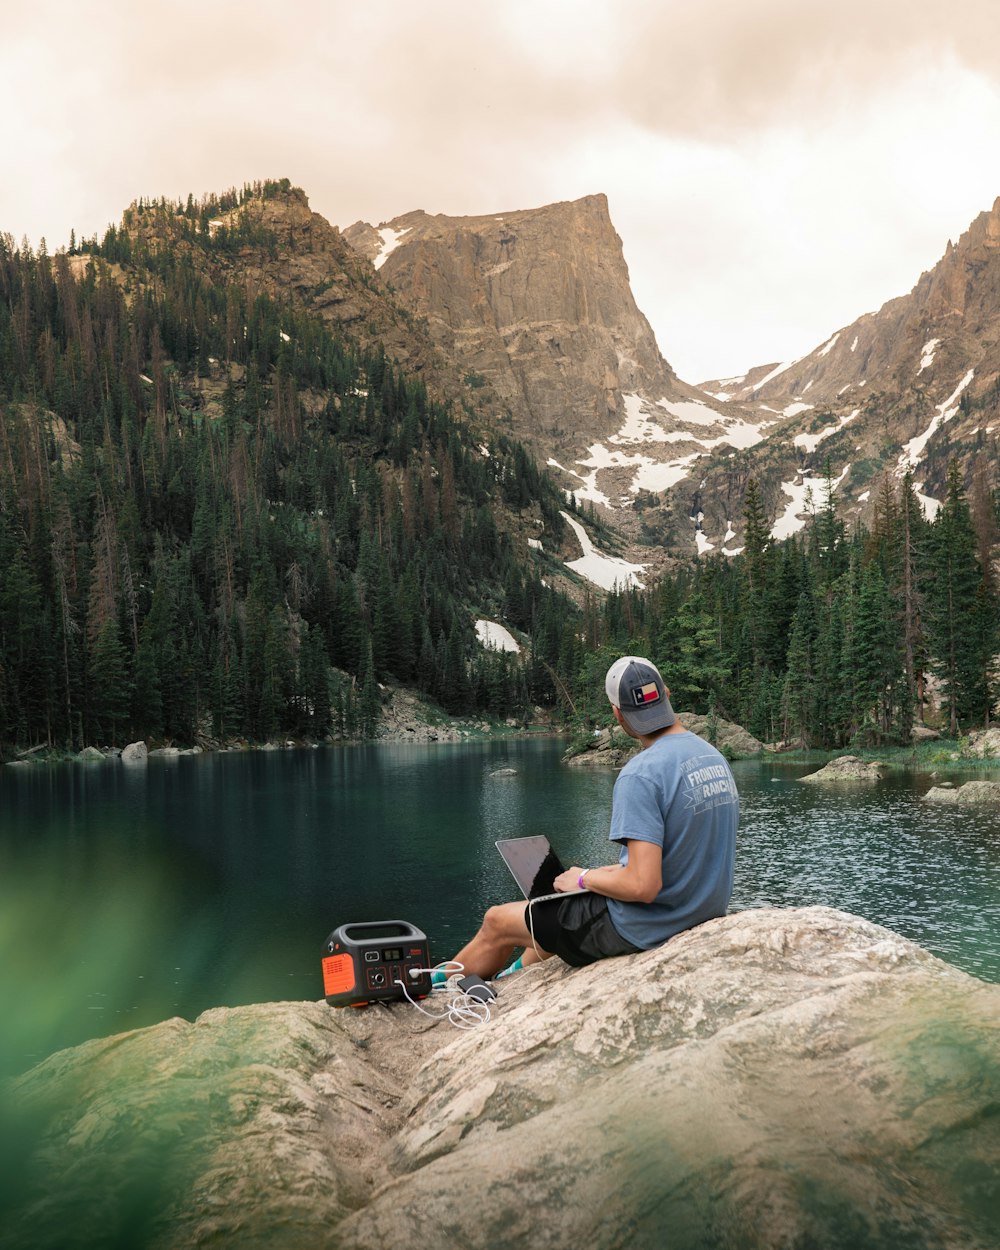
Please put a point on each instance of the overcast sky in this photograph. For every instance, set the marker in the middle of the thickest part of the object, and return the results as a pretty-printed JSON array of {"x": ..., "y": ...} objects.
[{"x": 775, "y": 168}]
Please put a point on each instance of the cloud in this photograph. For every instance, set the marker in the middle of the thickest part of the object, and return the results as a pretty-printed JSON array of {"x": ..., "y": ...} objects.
[
  {"x": 774, "y": 167},
  {"x": 720, "y": 69}
]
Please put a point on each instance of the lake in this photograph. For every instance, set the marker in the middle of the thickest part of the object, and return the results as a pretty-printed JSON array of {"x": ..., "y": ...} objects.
[{"x": 131, "y": 894}]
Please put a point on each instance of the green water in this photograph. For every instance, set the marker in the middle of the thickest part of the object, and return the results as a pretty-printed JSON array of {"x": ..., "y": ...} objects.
[{"x": 129, "y": 895}]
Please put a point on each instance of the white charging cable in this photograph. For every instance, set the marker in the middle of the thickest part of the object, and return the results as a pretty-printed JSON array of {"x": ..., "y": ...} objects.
[{"x": 463, "y": 1010}]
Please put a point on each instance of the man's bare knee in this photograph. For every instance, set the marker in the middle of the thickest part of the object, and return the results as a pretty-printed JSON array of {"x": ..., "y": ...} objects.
[{"x": 495, "y": 920}]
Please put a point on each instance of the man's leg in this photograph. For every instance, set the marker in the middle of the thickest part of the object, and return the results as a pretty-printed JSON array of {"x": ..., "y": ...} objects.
[{"x": 503, "y": 930}]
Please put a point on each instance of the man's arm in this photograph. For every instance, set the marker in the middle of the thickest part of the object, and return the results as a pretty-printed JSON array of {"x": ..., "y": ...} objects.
[{"x": 639, "y": 881}]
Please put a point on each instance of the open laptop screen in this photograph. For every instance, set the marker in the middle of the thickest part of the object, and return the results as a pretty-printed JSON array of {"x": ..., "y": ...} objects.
[{"x": 533, "y": 863}]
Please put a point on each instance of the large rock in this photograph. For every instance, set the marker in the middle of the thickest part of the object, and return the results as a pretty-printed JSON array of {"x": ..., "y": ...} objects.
[
  {"x": 91, "y": 755},
  {"x": 796, "y": 1078},
  {"x": 135, "y": 753},
  {"x": 968, "y": 795},
  {"x": 984, "y": 743},
  {"x": 609, "y": 748},
  {"x": 847, "y": 768},
  {"x": 732, "y": 739}
]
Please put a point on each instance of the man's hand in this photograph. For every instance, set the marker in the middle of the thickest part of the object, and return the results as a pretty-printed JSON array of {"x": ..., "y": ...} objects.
[{"x": 568, "y": 880}]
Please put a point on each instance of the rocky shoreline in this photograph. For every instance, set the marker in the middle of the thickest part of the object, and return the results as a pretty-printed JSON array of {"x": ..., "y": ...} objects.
[{"x": 405, "y": 718}]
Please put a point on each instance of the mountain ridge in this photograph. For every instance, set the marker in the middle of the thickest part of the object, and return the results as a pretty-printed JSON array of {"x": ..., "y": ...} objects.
[
  {"x": 538, "y": 304},
  {"x": 890, "y": 393},
  {"x": 909, "y": 386}
]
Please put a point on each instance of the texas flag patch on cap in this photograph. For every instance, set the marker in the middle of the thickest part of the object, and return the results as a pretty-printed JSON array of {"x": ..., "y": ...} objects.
[{"x": 643, "y": 696}]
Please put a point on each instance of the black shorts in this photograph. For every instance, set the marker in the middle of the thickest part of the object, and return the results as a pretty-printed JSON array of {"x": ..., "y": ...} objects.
[{"x": 577, "y": 928}]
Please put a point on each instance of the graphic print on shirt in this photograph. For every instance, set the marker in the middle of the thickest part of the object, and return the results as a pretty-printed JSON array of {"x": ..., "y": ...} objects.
[{"x": 707, "y": 783}]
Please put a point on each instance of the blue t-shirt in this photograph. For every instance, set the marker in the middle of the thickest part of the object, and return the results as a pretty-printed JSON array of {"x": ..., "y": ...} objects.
[{"x": 680, "y": 794}]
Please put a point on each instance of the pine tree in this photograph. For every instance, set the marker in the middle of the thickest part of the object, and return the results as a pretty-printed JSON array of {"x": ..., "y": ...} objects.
[
  {"x": 798, "y": 699},
  {"x": 369, "y": 706},
  {"x": 875, "y": 660},
  {"x": 956, "y": 610},
  {"x": 108, "y": 703}
]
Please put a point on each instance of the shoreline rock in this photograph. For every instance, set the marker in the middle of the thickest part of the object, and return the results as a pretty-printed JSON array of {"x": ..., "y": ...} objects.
[
  {"x": 772, "y": 1078},
  {"x": 847, "y": 768},
  {"x": 968, "y": 795}
]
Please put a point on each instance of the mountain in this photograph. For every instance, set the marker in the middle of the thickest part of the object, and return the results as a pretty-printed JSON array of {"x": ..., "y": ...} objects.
[
  {"x": 247, "y": 477},
  {"x": 903, "y": 389},
  {"x": 536, "y": 305}
]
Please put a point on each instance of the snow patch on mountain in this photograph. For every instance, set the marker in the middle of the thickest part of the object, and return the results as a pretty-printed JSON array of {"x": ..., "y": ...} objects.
[
  {"x": 829, "y": 345},
  {"x": 805, "y": 497},
  {"x": 604, "y": 571},
  {"x": 691, "y": 411},
  {"x": 809, "y": 442},
  {"x": 927, "y": 354},
  {"x": 495, "y": 637},
  {"x": 390, "y": 241},
  {"x": 913, "y": 452},
  {"x": 774, "y": 373},
  {"x": 639, "y": 426}
]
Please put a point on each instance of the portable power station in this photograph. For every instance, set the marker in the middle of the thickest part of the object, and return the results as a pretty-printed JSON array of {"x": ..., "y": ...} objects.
[{"x": 364, "y": 963}]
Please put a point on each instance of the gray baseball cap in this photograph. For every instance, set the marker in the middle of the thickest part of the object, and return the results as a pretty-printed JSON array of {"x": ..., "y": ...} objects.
[{"x": 635, "y": 687}]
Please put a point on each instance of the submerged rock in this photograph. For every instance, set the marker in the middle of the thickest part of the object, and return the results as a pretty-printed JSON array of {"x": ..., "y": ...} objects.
[
  {"x": 847, "y": 768},
  {"x": 774, "y": 1078}
]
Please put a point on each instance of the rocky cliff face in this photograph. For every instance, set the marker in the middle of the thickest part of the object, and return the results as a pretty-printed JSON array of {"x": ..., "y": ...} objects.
[
  {"x": 538, "y": 302},
  {"x": 902, "y": 389},
  {"x": 774, "y": 1078},
  {"x": 537, "y": 305}
]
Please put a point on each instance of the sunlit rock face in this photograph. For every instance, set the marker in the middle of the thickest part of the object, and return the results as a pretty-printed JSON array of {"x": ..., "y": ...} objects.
[
  {"x": 774, "y": 1078},
  {"x": 537, "y": 305}
]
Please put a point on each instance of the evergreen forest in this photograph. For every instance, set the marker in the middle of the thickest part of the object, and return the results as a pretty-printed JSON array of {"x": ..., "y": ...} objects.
[
  {"x": 221, "y": 518},
  {"x": 829, "y": 639},
  {"x": 173, "y": 575}
]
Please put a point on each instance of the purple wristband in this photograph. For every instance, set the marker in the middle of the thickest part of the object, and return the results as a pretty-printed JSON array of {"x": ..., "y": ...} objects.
[{"x": 579, "y": 880}]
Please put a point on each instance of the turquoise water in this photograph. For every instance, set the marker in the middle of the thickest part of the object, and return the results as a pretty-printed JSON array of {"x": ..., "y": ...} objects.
[{"x": 129, "y": 895}]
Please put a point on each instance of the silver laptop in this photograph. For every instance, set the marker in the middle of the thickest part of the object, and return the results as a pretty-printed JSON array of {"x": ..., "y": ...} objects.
[{"x": 534, "y": 865}]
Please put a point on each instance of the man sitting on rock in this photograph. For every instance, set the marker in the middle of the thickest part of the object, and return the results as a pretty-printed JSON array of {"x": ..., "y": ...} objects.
[{"x": 674, "y": 814}]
